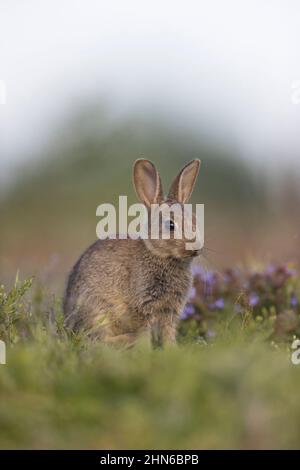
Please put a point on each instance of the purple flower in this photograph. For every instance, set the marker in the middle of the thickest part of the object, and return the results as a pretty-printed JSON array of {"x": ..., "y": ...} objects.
[
  {"x": 253, "y": 299},
  {"x": 294, "y": 300},
  {"x": 270, "y": 269},
  {"x": 205, "y": 276},
  {"x": 227, "y": 278},
  {"x": 197, "y": 270},
  {"x": 209, "y": 277},
  {"x": 193, "y": 293},
  {"x": 188, "y": 311},
  {"x": 218, "y": 304}
]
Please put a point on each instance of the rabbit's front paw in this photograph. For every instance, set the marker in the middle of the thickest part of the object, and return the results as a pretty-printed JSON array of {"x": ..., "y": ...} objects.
[{"x": 163, "y": 332}]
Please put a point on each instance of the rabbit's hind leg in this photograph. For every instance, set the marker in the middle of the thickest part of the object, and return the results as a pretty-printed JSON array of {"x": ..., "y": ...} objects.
[{"x": 126, "y": 340}]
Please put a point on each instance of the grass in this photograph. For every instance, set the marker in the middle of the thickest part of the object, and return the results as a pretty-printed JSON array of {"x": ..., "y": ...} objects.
[{"x": 235, "y": 389}]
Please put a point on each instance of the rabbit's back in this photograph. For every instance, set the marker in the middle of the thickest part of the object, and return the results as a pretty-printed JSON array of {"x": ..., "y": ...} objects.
[{"x": 97, "y": 292}]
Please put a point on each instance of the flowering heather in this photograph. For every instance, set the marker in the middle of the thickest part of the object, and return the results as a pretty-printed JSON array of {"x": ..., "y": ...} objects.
[
  {"x": 253, "y": 299},
  {"x": 268, "y": 297},
  {"x": 294, "y": 300},
  {"x": 188, "y": 311}
]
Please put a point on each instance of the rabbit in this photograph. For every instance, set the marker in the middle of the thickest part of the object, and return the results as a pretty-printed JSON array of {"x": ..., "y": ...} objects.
[{"x": 121, "y": 288}]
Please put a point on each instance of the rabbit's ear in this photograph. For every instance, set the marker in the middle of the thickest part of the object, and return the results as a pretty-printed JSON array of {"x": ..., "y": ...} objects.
[
  {"x": 183, "y": 185},
  {"x": 147, "y": 182}
]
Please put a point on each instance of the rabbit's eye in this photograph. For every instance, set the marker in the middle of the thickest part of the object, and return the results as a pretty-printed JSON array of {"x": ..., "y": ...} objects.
[{"x": 170, "y": 225}]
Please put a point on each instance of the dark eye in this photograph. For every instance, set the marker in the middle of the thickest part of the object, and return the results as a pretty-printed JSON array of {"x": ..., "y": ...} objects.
[{"x": 169, "y": 224}]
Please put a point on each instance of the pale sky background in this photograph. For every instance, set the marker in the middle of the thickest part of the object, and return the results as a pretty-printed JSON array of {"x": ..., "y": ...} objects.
[{"x": 223, "y": 67}]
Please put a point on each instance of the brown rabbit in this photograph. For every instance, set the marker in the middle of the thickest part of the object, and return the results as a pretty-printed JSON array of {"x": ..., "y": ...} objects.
[{"x": 120, "y": 288}]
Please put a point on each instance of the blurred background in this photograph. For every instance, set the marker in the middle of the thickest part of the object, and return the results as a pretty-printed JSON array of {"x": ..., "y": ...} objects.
[{"x": 91, "y": 85}]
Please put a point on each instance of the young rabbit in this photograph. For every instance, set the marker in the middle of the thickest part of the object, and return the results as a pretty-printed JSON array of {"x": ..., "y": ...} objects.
[{"x": 120, "y": 288}]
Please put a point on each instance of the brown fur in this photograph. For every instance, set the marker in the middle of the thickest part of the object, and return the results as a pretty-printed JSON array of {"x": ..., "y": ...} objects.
[{"x": 120, "y": 288}]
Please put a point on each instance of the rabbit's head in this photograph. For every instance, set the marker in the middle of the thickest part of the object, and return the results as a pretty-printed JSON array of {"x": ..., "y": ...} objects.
[{"x": 165, "y": 214}]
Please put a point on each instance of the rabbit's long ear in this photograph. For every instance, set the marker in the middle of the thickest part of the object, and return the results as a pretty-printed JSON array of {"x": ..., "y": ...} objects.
[
  {"x": 147, "y": 182},
  {"x": 183, "y": 185}
]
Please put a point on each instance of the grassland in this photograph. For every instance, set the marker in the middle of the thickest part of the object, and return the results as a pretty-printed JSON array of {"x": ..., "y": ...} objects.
[{"x": 235, "y": 388}]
